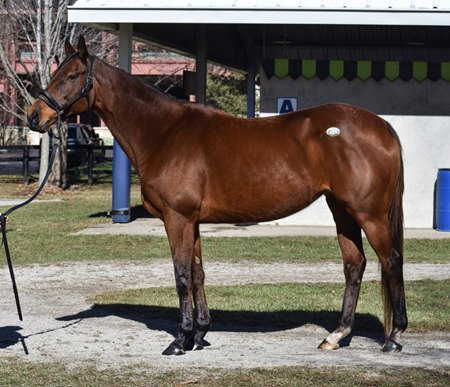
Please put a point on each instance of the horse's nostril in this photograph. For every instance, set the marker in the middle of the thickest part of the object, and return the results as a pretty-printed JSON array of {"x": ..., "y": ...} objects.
[{"x": 33, "y": 119}]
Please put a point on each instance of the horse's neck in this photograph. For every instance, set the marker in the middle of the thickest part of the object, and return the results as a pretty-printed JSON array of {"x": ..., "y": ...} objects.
[{"x": 135, "y": 113}]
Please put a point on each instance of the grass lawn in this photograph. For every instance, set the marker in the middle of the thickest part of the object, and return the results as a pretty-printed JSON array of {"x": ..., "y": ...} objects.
[
  {"x": 43, "y": 233},
  {"x": 19, "y": 373}
]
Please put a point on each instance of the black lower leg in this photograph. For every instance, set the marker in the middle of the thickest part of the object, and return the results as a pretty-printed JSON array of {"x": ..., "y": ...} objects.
[
  {"x": 179, "y": 345},
  {"x": 353, "y": 274},
  {"x": 186, "y": 329},
  {"x": 200, "y": 333},
  {"x": 396, "y": 291},
  {"x": 203, "y": 319}
]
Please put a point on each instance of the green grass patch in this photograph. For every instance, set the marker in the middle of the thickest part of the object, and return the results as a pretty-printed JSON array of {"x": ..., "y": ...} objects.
[
  {"x": 18, "y": 373},
  {"x": 313, "y": 249},
  {"x": 288, "y": 305},
  {"x": 272, "y": 249},
  {"x": 43, "y": 233},
  {"x": 313, "y": 377},
  {"x": 427, "y": 250}
]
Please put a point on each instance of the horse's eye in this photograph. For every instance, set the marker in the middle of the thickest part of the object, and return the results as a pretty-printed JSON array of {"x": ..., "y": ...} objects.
[{"x": 72, "y": 77}]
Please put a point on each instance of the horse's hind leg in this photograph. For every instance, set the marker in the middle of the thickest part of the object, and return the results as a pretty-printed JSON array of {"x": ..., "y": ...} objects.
[
  {"x": 391, "y": 259},
  {"x": 350, "y": 242}
]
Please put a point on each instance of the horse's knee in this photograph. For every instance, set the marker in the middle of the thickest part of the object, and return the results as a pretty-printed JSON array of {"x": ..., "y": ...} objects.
[
  {"x": 183, "y": 279},
  {"x": 182, "y": 284}
]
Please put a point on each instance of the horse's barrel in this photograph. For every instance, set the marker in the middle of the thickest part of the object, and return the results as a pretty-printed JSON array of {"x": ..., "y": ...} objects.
[{"x": 443, "y": 200}]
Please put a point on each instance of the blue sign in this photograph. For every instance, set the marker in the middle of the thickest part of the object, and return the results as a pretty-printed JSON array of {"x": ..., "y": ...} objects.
[{"x": 286, "y": 105}]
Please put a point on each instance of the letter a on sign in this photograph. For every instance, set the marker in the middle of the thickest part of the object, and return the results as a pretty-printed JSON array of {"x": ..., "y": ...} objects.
[{"x": 286, "y": 105}]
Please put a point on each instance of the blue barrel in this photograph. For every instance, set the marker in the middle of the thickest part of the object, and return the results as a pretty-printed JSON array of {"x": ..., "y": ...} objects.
[{"x": 443, "y": 200}]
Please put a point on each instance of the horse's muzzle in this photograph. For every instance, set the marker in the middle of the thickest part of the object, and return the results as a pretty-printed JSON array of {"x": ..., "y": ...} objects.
[{"x": 34, "y": 121}]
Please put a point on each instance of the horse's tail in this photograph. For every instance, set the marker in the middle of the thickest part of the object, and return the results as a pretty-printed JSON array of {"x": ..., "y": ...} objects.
[{"x": 395, "y": 218}]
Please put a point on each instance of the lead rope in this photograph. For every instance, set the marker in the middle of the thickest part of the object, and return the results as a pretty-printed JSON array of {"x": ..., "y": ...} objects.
[{"x": 4, "y": 215}]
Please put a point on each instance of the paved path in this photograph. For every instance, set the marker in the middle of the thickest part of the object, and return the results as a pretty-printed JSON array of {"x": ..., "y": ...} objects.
[
  {"x": 13, "y": 202},
  {"x": 151, "y": 226},
  {"x": 154, "y": 227},
  {"x": 61, "y": 325}
]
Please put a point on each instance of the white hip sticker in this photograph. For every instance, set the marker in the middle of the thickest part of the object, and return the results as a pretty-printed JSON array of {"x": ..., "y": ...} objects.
[{"x": 333, "y": 131}]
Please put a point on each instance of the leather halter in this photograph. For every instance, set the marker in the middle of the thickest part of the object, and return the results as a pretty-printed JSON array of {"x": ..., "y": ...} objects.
[{"x": 45, "y": 96}]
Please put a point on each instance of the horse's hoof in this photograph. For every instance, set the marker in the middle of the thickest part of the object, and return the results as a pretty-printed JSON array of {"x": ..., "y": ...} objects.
[
  {"x": 200, "y": 345},
  {"x": 174, "y": 349},
  {"x": 327, "y": 346},
  {"x": 391, "y": 346}
]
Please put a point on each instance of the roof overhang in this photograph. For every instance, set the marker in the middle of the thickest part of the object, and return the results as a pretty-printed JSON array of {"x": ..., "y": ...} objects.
[
  {"x": 261, "y": 12},
  {"x": 198, "y": 16},
  {"x": 239, "y": 29}
]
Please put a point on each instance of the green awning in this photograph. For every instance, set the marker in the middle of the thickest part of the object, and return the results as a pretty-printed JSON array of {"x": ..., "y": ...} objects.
[{"x": 348, "y": 69}]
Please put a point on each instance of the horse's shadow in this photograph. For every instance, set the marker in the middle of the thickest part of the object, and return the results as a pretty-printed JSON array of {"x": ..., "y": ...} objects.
[
  {"x": 167, "y": 319},
  {"x": 10, "y": 336}
]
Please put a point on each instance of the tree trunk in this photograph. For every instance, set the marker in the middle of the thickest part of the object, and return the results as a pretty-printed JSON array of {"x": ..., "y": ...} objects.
[
  {"x": 44, "y": 154},
  {"x": 58, "y": 175}
]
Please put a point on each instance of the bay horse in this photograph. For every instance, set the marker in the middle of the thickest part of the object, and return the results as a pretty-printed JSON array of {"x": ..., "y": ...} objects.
[{"x": 197, "y": 164}]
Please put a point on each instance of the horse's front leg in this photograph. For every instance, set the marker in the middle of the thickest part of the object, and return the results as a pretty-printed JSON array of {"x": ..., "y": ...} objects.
[
  {"x": 203, "y": 319},
  {"x": 184, "y": 240},
  {"x": 180, "y": 232}
]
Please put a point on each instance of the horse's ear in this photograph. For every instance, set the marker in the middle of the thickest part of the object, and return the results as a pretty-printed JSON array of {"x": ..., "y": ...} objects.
[
  {"x": 82, "y": 49},
  {"x": 69, "y": 50}
]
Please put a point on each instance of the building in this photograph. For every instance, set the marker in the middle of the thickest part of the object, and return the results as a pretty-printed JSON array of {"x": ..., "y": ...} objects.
[{"x": 391, "y": 57}]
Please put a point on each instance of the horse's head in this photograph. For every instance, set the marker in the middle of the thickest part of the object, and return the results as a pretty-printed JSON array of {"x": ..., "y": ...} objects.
[{"x": 68, "y": 92}]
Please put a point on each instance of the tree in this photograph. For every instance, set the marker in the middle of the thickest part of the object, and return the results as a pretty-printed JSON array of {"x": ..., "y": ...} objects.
[
  {"x": 226, "y": 90},
  {"x": 32, "y": 42}
]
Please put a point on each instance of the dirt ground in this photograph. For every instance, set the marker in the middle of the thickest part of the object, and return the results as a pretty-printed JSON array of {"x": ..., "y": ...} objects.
[{"x": 60, "y": 325}]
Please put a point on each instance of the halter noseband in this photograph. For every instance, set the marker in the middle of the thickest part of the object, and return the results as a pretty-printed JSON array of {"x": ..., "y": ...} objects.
[{"x": 45, "y": 96}]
